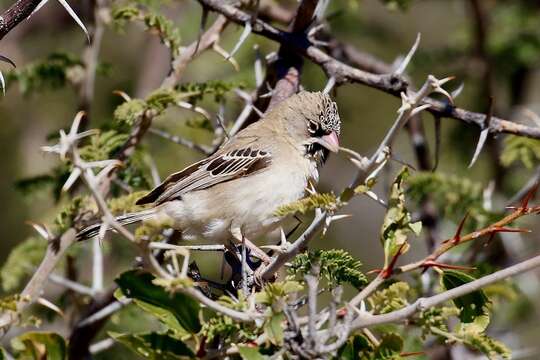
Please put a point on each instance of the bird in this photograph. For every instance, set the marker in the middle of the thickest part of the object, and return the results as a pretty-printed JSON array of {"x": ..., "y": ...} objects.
[{"x": 231, "y": 197}]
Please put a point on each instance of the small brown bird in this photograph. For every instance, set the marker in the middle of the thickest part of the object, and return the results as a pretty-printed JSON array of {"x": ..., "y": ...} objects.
[{"x": 232, "y": 196}]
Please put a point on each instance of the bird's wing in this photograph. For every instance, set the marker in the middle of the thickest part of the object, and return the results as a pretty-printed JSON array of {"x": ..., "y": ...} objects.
[{"x": 221, "y": 167}]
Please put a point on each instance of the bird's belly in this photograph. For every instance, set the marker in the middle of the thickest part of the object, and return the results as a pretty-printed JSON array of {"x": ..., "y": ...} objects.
[{"x": 211, "y": 214}]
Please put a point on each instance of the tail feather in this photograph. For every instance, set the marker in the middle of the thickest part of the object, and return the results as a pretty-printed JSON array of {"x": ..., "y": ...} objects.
[{"x": 131, "y": 218}]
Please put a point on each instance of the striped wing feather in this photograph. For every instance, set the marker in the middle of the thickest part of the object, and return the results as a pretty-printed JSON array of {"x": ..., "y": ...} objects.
[{"x": 207, "y": 173}]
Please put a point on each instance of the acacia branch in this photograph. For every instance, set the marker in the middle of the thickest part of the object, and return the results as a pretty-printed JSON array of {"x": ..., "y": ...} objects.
[
  {"x": 16, "y": 14},
  {"x": 298, "y": 246},
  {"x": 421, "y": 304},
  {"x": 343, "y": 73}
]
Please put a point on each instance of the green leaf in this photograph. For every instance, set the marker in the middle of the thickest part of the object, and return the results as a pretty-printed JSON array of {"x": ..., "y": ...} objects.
[
  {"x": 164, "y": 316},
  {"x": 274, "y": 329},
  {"x": 103, "y": 146},
  {"x": 39, "y": 345},
  {"x": 139, "y": 285},
  {"x": 471, "y": 305},
  {"x": 154, "y": 346},
  {"x": 473, "y": 334},
  {"x": 3, "y": 354},
  {"x": 435, "y": 318},
  {"x": 352, "y": 349},
  {"x": 336, "y": 266},
  {"x": 397, "y": 221},
  {"x": 453, "y": 197},
  {"x": 129, "y": 112},
  {"x": 391, "y": 345},
  {"x": 22, "y": 261},
  {"x": 250, "y": 353}
]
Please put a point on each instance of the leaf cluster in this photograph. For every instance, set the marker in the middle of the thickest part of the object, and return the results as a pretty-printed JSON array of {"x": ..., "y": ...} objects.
[
  {"x": 336, "y": 266},
  {"x": 154, "y": 22},
  {"x": 453, "y": 196},
  {"x": 521, "y": 149},
  {"x": 325, "y": 201},
  {"x": 53, "y": 72},
  {"x": 394, "y": 297}
]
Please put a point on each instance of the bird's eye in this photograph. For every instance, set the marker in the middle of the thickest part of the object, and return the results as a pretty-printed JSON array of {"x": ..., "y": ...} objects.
[{"x": 313, "y": 127}]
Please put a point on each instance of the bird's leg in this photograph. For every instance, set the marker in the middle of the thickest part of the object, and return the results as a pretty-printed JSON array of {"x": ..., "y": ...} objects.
[{"x": 254, "y": 249}]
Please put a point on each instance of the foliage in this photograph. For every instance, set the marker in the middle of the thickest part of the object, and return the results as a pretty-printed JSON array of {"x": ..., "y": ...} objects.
[
  {"x": 54, "y": 72},
  {"x": 22, "y": 262},
  {"x": 521, "y": 149},
  {"x": 178, "y": 325},
  {"x": 471, "y": 305},
  {"x": 39, "y": 345},
  {"x": 454, "y": 197},
  {"x": 390, "y": 299},
  {"x": 103, "y": 145},
  {"x": 141, "y": 285},
  {"x": 325, "y": 201},
  {"x": 224, "y": 328},
  {"x": 154, "y": 22},
  {"x": 397, "y": 224},
  {"x": 336, "y": 266},
  {"x": 359, "y": 347},
  {"x": 154, "y": 345}
]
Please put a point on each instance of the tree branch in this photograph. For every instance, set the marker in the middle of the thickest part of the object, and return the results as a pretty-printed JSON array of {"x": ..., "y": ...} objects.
[
  {"x": 421, "y": 304},
  {"x": 343, "y": 73},
  {"x": 16, "y": 14}
]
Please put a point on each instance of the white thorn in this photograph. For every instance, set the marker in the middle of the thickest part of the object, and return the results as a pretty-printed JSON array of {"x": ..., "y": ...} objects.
[
  {"x": 401, "y": 69},
  {"x": 241, "y": 40},
  {"x": 419, "y": 109},
  {"x": 50, "y": 306},
  {"x": 75, "y": 17},
  {"x": 71, "y": 179},
  {"x": 455, "y": 93},
  {"x": 329, "y": 85},
  {"x": 340, "y": 217},
  {"x": 480, "y": 145},
  {"x": 2, "y": 84},
  {"x": 41, "y": 229}
]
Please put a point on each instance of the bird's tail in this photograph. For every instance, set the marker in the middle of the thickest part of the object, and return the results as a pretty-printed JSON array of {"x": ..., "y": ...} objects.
[{"x": 126, "y": 219}]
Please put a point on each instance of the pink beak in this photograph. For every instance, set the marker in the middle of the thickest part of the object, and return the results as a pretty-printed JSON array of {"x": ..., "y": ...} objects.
[{"x": 330, "y": 141}]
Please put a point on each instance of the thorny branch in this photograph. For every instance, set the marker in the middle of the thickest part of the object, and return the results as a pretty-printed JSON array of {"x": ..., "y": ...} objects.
[
  {"x": 16, "y": 14},
  {"x": 343, "y": 73}
]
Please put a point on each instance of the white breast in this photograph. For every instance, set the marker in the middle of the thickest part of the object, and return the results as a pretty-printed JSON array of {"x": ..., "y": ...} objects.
[{"x": 247, "y": 203}]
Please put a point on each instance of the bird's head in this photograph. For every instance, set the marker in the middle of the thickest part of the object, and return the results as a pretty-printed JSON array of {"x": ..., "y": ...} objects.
[{"x": 312, "y": 120}]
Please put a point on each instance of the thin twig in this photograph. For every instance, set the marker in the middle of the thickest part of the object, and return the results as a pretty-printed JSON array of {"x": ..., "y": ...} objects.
[{"x": 422, "y": 304}]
